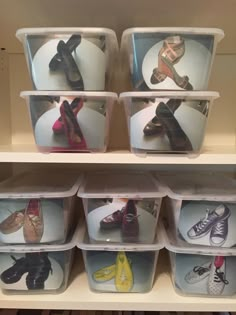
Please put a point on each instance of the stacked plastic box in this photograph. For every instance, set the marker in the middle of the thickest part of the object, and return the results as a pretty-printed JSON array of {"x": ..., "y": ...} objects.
[
  {"x": 200, "y": 214},
  {"x": 121, "y": 246},
  {"x": 69, "y": 67},
  {"x": 168, "y": 68},
  {"x": 37, "y": 231}
]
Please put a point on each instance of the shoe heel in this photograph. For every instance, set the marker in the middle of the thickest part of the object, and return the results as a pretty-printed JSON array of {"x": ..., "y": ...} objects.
[{"x": 70, "y": 68}]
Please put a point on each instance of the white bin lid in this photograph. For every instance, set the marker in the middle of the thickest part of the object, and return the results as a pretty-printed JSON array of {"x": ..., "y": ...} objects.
[
  {"x": 70, "y": 243},
  {"x": 96, "y": 31},
  {"x": 170, "y": 243},
  {"x": 48, "y": 184},
  {"x": 216, "y": 32},
  {"x": 200, "y": 186},
  {"x": 191, "y": 96},
  {"x": 20, "y": 33},
  {"x": 121, "y": 185},
  {"x": 84, "y": 243}
]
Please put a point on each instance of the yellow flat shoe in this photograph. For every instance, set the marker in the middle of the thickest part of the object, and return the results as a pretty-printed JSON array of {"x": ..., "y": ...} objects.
[
  {"x": 105, "y": 274},
  {"x": 124, "y": 275}
]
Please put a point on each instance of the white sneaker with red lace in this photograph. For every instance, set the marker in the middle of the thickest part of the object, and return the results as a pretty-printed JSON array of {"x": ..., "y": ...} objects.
[{"x": 217, "y": 280}]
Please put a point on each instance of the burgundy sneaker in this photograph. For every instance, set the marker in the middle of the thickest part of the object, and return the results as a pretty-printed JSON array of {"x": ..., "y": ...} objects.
[
  {"x": 130, "y": 225},
  {"x": 112, "y": 221}
]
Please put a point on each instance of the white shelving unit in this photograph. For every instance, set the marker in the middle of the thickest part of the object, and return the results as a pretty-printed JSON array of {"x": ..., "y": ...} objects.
[
  {"x": 17, "y": 147},
  {"x": 79, "y": 296},
  {"x": 214, "y": 155}
]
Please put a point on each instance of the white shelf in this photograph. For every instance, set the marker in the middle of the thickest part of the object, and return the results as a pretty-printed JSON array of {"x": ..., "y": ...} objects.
[
  {"x": 16, "y": 131},
  {"x": 28, "y": 154},
  {"x": 78, "y": 296}
]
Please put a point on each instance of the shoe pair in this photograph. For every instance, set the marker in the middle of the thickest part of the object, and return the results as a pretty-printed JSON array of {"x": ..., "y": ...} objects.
[
  {"x": 172, "y": 51},
  {"x": 30, "y": 218},
  {"x": 37, "y": 265},
  {"x": 215, "y": 223},
  {"x": 215, "y": 271},
  {"x": 121, "y": 271},
  {"x": 67, "y": 123},
  {"x": 165, "y": 122},
  {"x": 64, "y": 60},
  {"x": 126, "y": 219}
]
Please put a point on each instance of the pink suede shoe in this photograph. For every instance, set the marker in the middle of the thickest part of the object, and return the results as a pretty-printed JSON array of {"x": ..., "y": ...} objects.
[
  {"x": 76, "y": 105},
  {"x": 73, "y": 132}
]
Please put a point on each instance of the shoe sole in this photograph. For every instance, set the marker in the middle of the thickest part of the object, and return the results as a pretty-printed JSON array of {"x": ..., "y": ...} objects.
[
  {"x": 217, "y": 244},
  {"x": 110, "y": 227}
]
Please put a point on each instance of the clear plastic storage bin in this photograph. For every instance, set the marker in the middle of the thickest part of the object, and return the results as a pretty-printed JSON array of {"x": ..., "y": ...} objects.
[
  {"x": 38, "y": 207},
  {"x": 120, "y": 268},
  {"x": 200, "y": 210},
  {"x": 121, "y": 207},
  {"x": 70, "y": 121},
  {"x": 36, "y": 269},
  {"x": 208, "y": 272},
  {"x": 169, "y": 58},
  {"x": 78, "y": 59},
  {"x": 167, "y": 122}
]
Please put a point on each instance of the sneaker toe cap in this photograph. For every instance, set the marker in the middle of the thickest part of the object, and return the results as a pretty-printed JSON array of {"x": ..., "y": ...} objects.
[
  {"x": 216, "y": 240},
  {"x": 191, "y": 233}
]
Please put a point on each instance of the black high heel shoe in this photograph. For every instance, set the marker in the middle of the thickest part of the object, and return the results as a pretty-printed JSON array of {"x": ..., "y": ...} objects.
[
  {"x": 70, "y": 68},
  {"x": 154, "y": 126},
  {"x": 177, "y": 137},
  {"x": 71, "y": 44}
]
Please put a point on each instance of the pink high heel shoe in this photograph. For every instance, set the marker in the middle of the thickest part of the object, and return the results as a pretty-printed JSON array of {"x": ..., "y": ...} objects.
[
  {"x": 76, "y": 105},
  {"x": 72, "y": 129}
]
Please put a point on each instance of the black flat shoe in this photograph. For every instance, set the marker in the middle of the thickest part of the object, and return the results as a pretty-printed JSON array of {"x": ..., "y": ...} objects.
[
  {"x": 153, "y": 127},
  {"x": 177, "y": 137},
  {"x": 39, "y": 269},
  {"x": 14, "y": 273},
  {"x": 72, "y": 43},
  {"x": 70, "y": 68}
]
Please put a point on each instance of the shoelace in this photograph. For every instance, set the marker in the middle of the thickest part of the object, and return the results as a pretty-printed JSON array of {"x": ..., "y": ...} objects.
[
  {"x": 116, "y": 215},
  {"x": 200, "y": 270},
  {"x": 219, "y": 228},
  {"x": 220, "y": 277},
  {"x": 208, "y": 217}
]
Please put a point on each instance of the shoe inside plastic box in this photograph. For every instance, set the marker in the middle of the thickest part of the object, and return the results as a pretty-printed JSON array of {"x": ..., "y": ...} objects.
[
  {"x": 202, "y": 271},
  {"x": 200, "y": 209},
  {"x": 120, "y": 268},
  {"x": 121, "y": 206},
  {"x": 79, "y": 59},
  {"x": 36, "y": 269},
  {"x": 70, "y": 121},
  {"x": 169, "y": 58},
  {"x": 38, "y": 207},
  {"x": 167, "y": 122}
]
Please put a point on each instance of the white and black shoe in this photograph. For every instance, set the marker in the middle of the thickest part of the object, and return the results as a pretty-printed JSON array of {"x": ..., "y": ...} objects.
[
  {"x": 217, "y": 278},
  {"x": 198, "y": 273}
]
